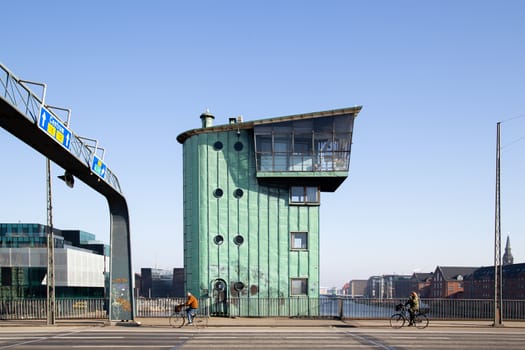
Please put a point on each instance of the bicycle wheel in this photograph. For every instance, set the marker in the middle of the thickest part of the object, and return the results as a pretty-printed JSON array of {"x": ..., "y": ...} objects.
[
  {"x": 201, "y": 321},
  {"x": 177, "y": 319},
  {"x": 397, "y": 321},
  {"x": 421, "y": 321}
]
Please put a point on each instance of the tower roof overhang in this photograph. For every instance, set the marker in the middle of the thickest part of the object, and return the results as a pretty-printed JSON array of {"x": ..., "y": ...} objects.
[{"x": 181, "y": 138}]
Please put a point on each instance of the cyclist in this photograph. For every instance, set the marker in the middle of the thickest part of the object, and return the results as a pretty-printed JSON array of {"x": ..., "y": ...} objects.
[
  {"x": 193, "y": 305},
  {"x": 413, "y": 306}
]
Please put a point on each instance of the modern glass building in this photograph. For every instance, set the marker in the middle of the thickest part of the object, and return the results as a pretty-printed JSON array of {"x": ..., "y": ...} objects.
[
  {"x": 81, "y": 262},
  {"x": 252, "y": 192}
]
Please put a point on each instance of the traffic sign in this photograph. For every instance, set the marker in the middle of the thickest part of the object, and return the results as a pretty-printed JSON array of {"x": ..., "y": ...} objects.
[
  {"x": 54, "y": 128},
  {"x": 98, "y": 167}
]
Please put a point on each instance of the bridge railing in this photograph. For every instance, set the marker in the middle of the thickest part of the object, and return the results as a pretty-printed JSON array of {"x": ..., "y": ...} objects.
[
  {"x": 323, "y": 307},
  {"x": 14, "y": 91},
  {"x": 35, "y": 309}
]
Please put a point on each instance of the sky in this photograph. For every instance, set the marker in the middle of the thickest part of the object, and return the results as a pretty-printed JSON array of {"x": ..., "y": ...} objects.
[{"x": 434, "y": 79}]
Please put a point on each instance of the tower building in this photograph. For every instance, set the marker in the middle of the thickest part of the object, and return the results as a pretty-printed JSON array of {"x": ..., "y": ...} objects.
[
  {"x": 508, "y": 259},
  {"x": 252, "y": 192}
]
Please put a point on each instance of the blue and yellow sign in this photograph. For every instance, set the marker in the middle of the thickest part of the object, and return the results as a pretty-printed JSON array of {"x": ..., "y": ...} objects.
[
  {"x": 54, "y": 128},
  {"x": 98, "y": 167}
]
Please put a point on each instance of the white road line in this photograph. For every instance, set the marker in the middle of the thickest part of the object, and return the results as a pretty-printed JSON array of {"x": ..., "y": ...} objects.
[
  {"x": 426, "y": 338},
  {"x": 106, "y": 337},
  {"x": 37, "y": 339},
  {"x": 121, "y": 346}
]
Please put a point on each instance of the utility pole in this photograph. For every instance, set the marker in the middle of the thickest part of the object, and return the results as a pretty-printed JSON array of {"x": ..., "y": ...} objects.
[
  {"x": 50, "y": 251},
  {"x": 497, "y": 240}
]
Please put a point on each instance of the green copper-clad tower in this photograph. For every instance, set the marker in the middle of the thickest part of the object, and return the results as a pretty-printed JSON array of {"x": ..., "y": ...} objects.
[{"x": 251, "y": 205}]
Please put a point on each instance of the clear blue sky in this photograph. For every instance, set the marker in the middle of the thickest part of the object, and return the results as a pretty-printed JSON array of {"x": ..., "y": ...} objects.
[{"x": 433, "y": 77}]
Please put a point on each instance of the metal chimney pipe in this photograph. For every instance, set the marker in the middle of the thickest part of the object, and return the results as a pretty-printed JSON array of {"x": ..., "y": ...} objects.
[{"x": 207, "y": 119}]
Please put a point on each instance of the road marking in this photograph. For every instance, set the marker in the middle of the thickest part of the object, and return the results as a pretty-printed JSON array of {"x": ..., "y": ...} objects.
[
  {"x": 121, "y": 346},
  {"x": 426, "y": 337},
  {"x": 107, "y": 337},
  {"x": 23, "y": 343},
  {"x": 370, "y": 341},
  {"x": 38, "y": 339}
]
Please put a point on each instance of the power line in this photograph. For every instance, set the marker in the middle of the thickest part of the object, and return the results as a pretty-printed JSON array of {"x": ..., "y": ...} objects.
[
  {"x": 519, "y": 138},
  {"x": 512, "y": 118},
  {"x": 513, "y": 142}
]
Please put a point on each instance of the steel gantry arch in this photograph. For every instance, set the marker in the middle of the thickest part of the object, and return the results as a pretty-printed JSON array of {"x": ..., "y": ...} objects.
[{"x": 20, "y": 112}]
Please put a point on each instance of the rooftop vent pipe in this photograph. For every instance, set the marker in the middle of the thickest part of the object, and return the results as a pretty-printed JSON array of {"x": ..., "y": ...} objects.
[{"x": 207, "y": 119}]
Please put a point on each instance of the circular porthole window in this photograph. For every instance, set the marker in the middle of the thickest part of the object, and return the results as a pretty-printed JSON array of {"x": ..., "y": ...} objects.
[
  {"x": 218, "y": 193},
  {"x": 217, "y": 146},
  {"x": 238, "y": 193},
  {"x": 238, "y": 239},
  {"x": 238, "y": 286},
  {"x": 238, "y": 146},
  {"x": 219, "y": 239},
  {"x": 219, "y": 286}
]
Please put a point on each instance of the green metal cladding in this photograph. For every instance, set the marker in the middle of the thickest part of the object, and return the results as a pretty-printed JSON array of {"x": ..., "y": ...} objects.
[{"x": 237, "y": 228}]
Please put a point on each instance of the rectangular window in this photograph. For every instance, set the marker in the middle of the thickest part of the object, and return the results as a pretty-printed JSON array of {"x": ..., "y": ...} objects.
[
  {"x": 7, "y": 277},
  {"x": 299, "y": 240},
  {"x": 304, "y": 195},
  {"x": 299, "y": 286}
]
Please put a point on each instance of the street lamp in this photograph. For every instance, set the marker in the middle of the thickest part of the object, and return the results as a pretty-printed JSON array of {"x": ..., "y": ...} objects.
[{"x": 68, "y": 178}]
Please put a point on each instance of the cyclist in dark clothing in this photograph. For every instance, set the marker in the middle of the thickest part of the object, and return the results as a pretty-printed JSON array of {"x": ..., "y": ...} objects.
[{"x": 413, "y": 306}]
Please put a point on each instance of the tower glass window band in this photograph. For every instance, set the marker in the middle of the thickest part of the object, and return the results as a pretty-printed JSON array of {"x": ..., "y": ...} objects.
[{"x": 313, "y": 145}]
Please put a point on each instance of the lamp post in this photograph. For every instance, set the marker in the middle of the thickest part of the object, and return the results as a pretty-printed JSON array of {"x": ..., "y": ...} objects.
[
  {"x": 69, "y": 180},
  {"x": 50, "y": 251}
]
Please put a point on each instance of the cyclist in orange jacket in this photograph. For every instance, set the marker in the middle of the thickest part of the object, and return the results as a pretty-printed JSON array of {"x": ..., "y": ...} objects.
[{"x": 193, "y": 305}]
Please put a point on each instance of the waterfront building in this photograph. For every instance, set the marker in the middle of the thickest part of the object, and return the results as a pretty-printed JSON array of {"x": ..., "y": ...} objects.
[
  {"x": 480, "y": 283},
  {"x": 252, "y": 191},
  {"x": 388, "y": 286},
  {"x": 448, "y": 281},
  {"x": 421, "y": 283},
  {"x": 81, "y": 262},
  {"x": 160, "y": 283},
  {"x": 355, "y": 288}
]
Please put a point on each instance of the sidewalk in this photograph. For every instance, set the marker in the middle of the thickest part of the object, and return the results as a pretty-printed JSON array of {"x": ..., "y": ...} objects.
[
  {"x": 252, "y": 322},
  {"x": 257, "y": 322},
  {"x": 303, "y": 322}
]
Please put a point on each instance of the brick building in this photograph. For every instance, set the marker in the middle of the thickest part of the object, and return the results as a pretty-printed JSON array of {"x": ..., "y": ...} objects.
[
  {"x": 421, "y": 283},
  {"x": 355, "y": 288},
  {"x": 448, "y": 281},
  {"x": 480, "y": 284}
]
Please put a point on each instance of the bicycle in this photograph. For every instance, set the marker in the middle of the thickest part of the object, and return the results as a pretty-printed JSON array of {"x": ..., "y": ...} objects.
[
  {"x": 399, "y": 319},
  {"x": 178, "y": 318}
]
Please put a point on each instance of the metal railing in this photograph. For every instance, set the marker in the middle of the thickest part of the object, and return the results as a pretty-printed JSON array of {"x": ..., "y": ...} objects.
[
  {"x": 35, "y": 309},
  {"x": 15, "y": 92},
  {"x": 164, "y": 307},
  {"x": 323, "y": 307}
]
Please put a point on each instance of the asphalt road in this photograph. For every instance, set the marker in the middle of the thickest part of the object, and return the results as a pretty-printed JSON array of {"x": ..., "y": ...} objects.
[{"x": 258, "y": 338}]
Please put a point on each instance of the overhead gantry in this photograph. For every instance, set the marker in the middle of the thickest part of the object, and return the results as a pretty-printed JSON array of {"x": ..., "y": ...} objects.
[{"x": 26, "y": 116}]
